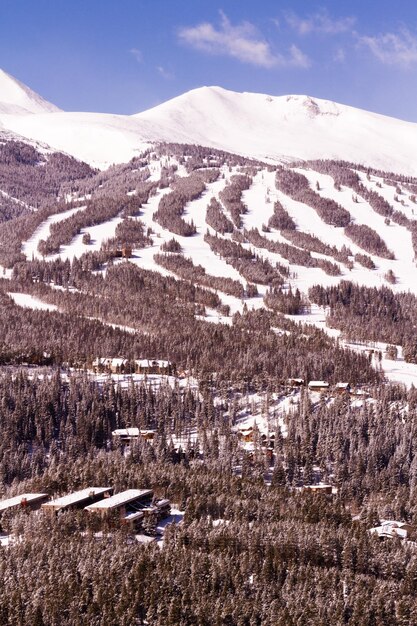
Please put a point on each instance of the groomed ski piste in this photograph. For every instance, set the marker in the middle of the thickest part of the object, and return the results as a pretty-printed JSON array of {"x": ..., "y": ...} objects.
[
  {"x": 276, "y": 130},
  {"x": 259, "y": 200}
]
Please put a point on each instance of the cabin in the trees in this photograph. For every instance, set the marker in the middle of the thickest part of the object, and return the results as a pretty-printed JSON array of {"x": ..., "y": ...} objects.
[
  {"x": 153, "y": 366},
  {"x": 342, "y": 388},
  {"x": 246, "y": 434},
  {"x": 322, "y": 489},
  {"x": 130, "y": 507},
  {"x": 24, "y": 502},
  {"x": 359, "y": 393},
  {"x": 77, "y": 499},
  {"x": 126, "y": 436},
  {"x": 124, "y": 252},
  {"x": 296, "y": 382},
  {"x": 111, "y": 365},
  {"x": 391, "y": 529},
  {"x": 318, "y": 385}
]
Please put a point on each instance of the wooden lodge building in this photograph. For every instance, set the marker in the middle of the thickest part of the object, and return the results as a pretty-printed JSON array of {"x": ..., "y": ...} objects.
[
  {"x": 109, "y": 365},
  {"x": 296, "y": 382},
  {"x": 131, "y": 507},
  {"x": 392, "y": 529},
  {"x": 339, "y": 388},
  {"x": 318, "y": 385},
  {"x": 320, "y": 488},
  {"x": 77, "y": 500},
  {"x": 124, "y": 252},
  {"x": 25, "y": 502},
  {"x": 126, "y": 436}
]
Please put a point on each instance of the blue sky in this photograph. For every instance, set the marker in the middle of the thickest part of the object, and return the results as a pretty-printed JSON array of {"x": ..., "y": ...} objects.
[{"x": 124, "y": 56}]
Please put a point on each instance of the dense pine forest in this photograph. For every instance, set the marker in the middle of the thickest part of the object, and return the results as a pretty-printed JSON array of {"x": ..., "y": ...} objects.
[
  {"x": 249, "y": 551},
  {"x": 256, "y": 545}
]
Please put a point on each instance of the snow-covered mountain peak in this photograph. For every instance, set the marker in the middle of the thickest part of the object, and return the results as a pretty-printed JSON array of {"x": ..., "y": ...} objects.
[
  {"x": 18, "y": 99},
  {"x": 216, "y": 100},
  {"x": 273, "y": 128}
]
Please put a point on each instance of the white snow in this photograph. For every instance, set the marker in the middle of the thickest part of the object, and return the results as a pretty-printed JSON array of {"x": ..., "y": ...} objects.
[
  {"x": 118, "y": 499},
  {"x": 398, "y": 370},
  {"x": 30, "y": 247},
  {"x": 272, "y": 128},
  {"x": 5, "y": 272},
  {"x": 254, "y": 412},
  {"x": 176, "y": 517},
  {"x": 99, "y": 234},
  {"x": 17, "y": 201},
  {"x": 194, "y": 247},
  {"x": 77, "y": 496},
  {"x": 276, "y": 128},
  {"x": 18, "y": 99},
  {"x": 31, "y": 302}
]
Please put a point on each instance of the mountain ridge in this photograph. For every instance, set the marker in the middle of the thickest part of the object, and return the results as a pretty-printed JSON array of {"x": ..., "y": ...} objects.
[
  {"x": 16, "y": 98},
  {"x": 277, "y": 129}
]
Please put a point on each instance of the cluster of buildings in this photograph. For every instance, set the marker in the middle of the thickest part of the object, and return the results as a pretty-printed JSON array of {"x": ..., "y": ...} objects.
[
  {"x": 128, "y": 508},
  {"x": 110, "y": 365},
  {"x": 389, "y": 529},
  {"x": 126, "y": 436},
  {"x": 323, "y": 385}
]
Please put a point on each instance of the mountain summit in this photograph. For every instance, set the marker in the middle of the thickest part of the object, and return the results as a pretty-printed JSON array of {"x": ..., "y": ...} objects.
[
  {"x": 18, "y": 99},
  {"x": 285, "y": 128},
  {"x": 279, "y": 129}
]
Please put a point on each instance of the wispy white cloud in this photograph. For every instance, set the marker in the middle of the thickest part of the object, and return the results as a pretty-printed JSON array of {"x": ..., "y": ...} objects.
[
  {"x": 164, "y": 72},
  {"x": 320, "y": 22},
  {"x": 137, "y": 54},
  {"x": 398, "y": 48},
  {"x": 340, "y": 55},
  {"x": 297, "y": 57},
  {"x": 242, "y": 42}
]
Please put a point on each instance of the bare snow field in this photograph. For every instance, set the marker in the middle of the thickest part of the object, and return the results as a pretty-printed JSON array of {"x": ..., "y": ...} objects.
[
  {"x": 283, "y": 128},
  {"x": 398, "y": 370},
  {"x": 30, "y": 247},
  {"x": 30, "y": 302}
]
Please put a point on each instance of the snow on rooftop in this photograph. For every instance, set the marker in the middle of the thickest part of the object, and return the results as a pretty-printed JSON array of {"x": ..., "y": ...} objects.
[
  {"x": 18, "y": 500},
  {"x": 132, "y": 431},
  {"x": 133, "y": 515},
  {"x": 152, "y": 363},
  {"x": 318, "y": 383},
  {"x": 144, "y": 363},
  {"x": 119, "y": 499},
  {"x": 77, "y": 496},
  {"x": 391, "y": 529}
]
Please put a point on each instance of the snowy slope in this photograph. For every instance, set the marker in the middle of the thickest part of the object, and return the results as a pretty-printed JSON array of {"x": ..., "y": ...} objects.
[
  {"x": 97, "y": 138},
  {"x": 259, "y": 199},
  {"x": 285, "y": 127},
  {"x": 17, "y": 99},
  {"x": 280, "y": 129}
]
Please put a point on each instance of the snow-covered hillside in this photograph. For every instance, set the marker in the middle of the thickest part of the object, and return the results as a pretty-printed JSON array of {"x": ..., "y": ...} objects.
[
  {"x": 259, "y": 201},
  {"x": 18, "y": 99},
  {"x": 279, "y": 129},
  {"x": 285, "y": 128},
  {"x": 251, "y": 235}
]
